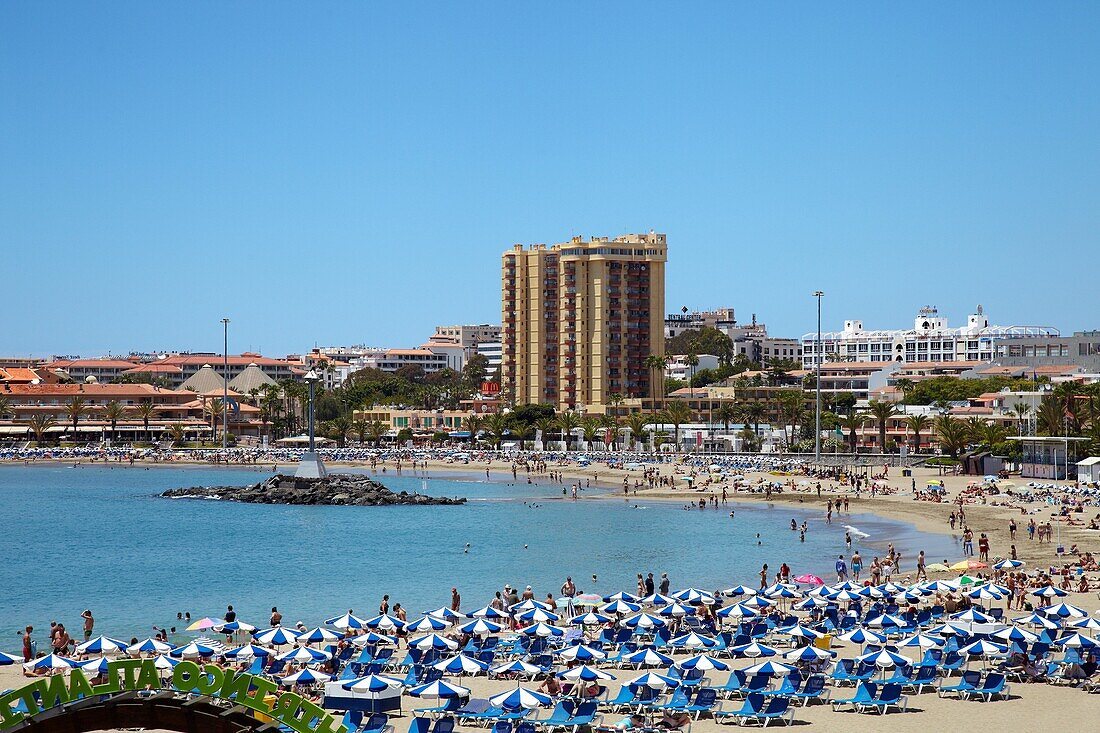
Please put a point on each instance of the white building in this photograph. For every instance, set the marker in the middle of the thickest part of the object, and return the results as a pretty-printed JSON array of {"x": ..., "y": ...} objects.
[
  {"x": 491, "y": 350},
  {"x": 393, "y": 359},
  {"x": 930, "y": 339},
  {"x": 468, "y": 336},
  {"x": 678, "y": 367}
]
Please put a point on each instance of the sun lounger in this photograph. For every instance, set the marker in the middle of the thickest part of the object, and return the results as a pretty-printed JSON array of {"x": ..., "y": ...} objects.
[
  {"x": 377, "y": 723},
  {"x": 752, "y": 704},
  {"x": 813, "y": 689},
  {"x": 994, "y": 685},
  {"x": 777, "y": 709},
  {"x": 969, "y": 681},
  {"x": 889, "y": 696},
  {"x": 865, "y": 692}
]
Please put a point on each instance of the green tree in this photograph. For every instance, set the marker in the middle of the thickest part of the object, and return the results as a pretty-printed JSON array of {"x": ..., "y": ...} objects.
[
  {"x": 1021, "y": 411},
  {"x": 75, "y": 409},
  {"x": 727, "y": 413},
  {"x": 212, "y": 407},
  {"x": 5, "y": 407},
  {"x": 917, "y": 424},
  {"x": 377, "y": 430},
  {"x": 706, "y": 340},
  {"x": 339, "y": 428},
  {"x": 522, "y": 432},
  {"x": 473, "y": 425},
  {"x": 40, "y": 425},
  {"x": 753, "y": 412},
  {"x": 636, "y": 423},
  {"x": 359, "y": 427},
  {"x": 953, "y": 434},
  {"x": 176, "y": 434},
  {"x": 113, "y": 411},
  {"x": 656, "y": 364},
  {"x": 567, "y": 423},
  {"x": 590, "y": 429},
  {"x": 146, "y": 411},
  {"x": 676, "y": 414},
  {"x": 853, "y": 423},
  {"x": 1051, "y": 416},
  {"x": 881, "y": 412},
  {"x": 546, "y": 426},
  {"x": 495, "y": 426}
]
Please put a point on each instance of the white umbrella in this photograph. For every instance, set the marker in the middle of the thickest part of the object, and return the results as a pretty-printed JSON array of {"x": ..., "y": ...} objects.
[{"x": 305, "y": 677}]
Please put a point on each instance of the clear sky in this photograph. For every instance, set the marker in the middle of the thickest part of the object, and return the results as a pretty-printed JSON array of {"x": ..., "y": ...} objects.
[{"x": 332, "y": 173}]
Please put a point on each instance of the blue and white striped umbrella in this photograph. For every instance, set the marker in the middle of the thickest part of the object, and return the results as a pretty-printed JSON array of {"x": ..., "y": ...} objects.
[
  {"x": 937, "y": 586},
  {"x": 949, "y": 629},
  {"x": 782, "y": 590},
  {"x": 870, "y": 591},
  {"x": 924, "y": 641},
  {"x": 1008, "y": 564},
  {"x": 95, "y": 666},
  {"x": 863, "y": 636},
  {"x": 739, "y": 590},
  {"x": 101, "y": 645},
  {"x": 656, "y": 599},
  {"x": 1064, "y": 610},
  {"x": 645, "y": 621},
  {"x": 385, "y": 622},
  {"x": 737, "y": 610},
  {"x": 518, "y": 667},
  {"x": 654, "y": 680},
  {"x": 811, "y": 602},
  {"x": 520, "y": 698},
  {"x": 1034, "y": 619},
  {"x": 692, "y": 640},
  {"x": 808, "y": 654},
  {"x": 528, "y": 605},
  {"x": 433, "y": 641},
  {"x": 769, "y": 669},
  {"x": 1013, "y": 633},
  {"x": 542, "y": 629},
  {"x": 621, "y": 596},
  {"x": 1088, "y": 624},
  {"x": 909, "y": 596},
  {"x": 676, "y": 609},
  {"x": 1077, "y": 640},
  {"x": 347, "y": 621},
  {"x": 163, "y": 661},
  {"x": 886, "y": 621},
  {"x": 590, "y": 619},
  {"x": 194, "y": 649},
  {"x": 758, "y": 601},
  {"x": 427, "y": 624},
  {"x": 843, "y": 595},
  {"x": 753, "y": 650},
  {"x": 305, "y": 655},
  {"x": 445, "y": 614},
  {"x": 277, "y": 636},
  {"x": 318, "y": 635},
  {"x": 581, "y": 653},
  {"x": 972, "y": 615},
  {"x": 6, "y": 659},
  {"x": 585, "y": 673},
  {"x": 892, "y": 588},
  {"x": 885, "y": 659},
  {"x": 439, "y": 689},
  {"x": 372, "y": 638},
  {"x": 50, "y": 661},
  {"x": 981, "y": 648},
  {"x": 248, "y": 651},
  {"x": 480, "y": 627},
  {"x": 798, "y": 631},
  {"x": 234, "y": 626},
  {"x": 149, "y": 646},
  {"x": 373, "y": 683},
  {"x": 985, "y": 593},
  {"x": 488, "y": 612},
  {"x": 537, "y": 615},
  {"x": 461, "y": 664},
  {"x": 846, "y": 585},
  {"x": 1049, "y": 591},
  {"x": 620, "y": 607},
  {"x": 703, "y": 662},
  {"x": 694, "y": 595},
  {"x": 648, "y": 658},
  {"x": 305, "y": 677}
]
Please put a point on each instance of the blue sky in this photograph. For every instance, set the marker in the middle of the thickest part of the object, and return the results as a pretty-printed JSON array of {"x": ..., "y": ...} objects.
[{"x": 350, "y": 172}]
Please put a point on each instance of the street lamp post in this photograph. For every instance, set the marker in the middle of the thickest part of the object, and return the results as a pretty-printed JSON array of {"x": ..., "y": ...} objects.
[
  {"x": 225, "y": 383},
  {"x": 311, "y": 466},
  {"x": 817, "y": 363},
  {"x": 311, "y": 380}
]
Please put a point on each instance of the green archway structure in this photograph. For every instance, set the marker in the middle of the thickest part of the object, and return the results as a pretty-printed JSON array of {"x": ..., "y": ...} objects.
[{"x": 132, "y": 695}]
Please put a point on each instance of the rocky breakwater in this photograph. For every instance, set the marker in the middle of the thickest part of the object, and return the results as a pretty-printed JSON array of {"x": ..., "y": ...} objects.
[{"x": 334, "y": 490}]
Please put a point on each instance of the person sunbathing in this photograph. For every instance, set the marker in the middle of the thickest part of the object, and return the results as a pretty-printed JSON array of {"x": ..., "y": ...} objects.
[{"x": 674, "y": 720}]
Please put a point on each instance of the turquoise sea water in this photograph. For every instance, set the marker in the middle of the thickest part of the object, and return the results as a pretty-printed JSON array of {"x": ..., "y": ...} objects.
[{"x": 99, "y": 537}]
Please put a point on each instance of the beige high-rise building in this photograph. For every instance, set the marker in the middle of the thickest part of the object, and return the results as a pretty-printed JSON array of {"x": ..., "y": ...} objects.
[{"x": 580, "y": 318}]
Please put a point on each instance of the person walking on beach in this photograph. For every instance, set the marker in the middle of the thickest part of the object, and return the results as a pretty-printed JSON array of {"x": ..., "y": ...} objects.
[
  {"x": 649, "y": 586},
  {"x": 568, "y": 588},
  {"x": 968, "y": 542},
  {"x": 922, "y": 574},
  {"x": 1012, "y": 529},
  {"x": 983, "y": 547},
  {"x": 764, "y": 577},
  {"x": 28, "y": 644},
  {"x": 89, "y": 623},
  {"x": 857, "y": 565},
  {"x": 841, "y": 569}
]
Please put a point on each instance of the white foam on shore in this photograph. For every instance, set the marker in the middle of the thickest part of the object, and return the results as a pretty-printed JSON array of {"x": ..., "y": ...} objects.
[{"x": 855, "y": 532}]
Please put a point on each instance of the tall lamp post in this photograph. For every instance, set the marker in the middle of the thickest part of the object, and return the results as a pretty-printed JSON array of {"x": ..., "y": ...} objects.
[
  {"x": 817, "y": 363},
  {"x": 225, "y": 383},
  {"x": 310, "y": 466}
]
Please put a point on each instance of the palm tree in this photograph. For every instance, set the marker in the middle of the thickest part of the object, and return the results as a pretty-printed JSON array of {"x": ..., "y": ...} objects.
[
  {"x": 176, "y": 434},
  {"x": 676, "y": 415},
  {"x": 496, "y": 425},
  {"x": 1021, "y": 411},
  {"x": 339, "y": 428},
  {"x": 992, "y": 434},
  {"x": 590, "y": 428},
  {"x": 917, "y": 424},
  {"x": 146, "y": 410},
  {"x": 473, "y": 425},
  {"x": 522, "y": 432},
  {"x": 112, "y": 413},
  {"x": 568, "y": 422},
  {"x": 692, "y": 361},
  {"x": 881, "y": 412},
  {"x": 611, "y": 431},
  {"x": 636, "y": 422},
  {"x": 213, "y": 408},
  {"x": 727, "y": 413},
  {"x": 545, "y": 426},
  {"x": 753, "y": 412},
  {"x": 852, "y": 423},
  {"x": 953, "y": 434},
  {"x": 40, "y": 425},
  {"x": 1051, "y": 416},
  {"x": 656, "y": 364},
  {"x": 75, "y": 409},
  {"x": 376, "y": 430},
  {"x": 359, "y": 427},
  {"x": 975, "y": 426},
  {"x": 792, "y": 408},
  {"x": 5, "y": 407}
]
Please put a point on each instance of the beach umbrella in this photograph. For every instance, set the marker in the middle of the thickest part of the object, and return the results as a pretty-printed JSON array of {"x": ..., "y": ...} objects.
[
  {"x": 541, "y": 629},
  {"x": 347, "y": 621},
  {"x": 645, "y": 621},
  {"x": 1049, "y": 591},
  {"x": 739, "y": 590},
  {"x": 811, "y": 602},
  {"x": 846, "y": 585},
  {"x": 529, "y": 605},
  {"x": 985, "y": 593},
  {"x": 656, "y": 599},
  {"x": 248, "y": 651},
  {"x": 937, "y": 567},
  {"x": 908, "y": 597},
  {"x": 863, "y": 637},
  {"x": 798, "y": 631},
  {"x": 949, "y": 629},
  {"x": 937, "y": 586},
  {"x": 648, "y": 658},
  {"x": 1089, "y": 624},
  {"x": 758, "y": 601},
  {"x": 194, "y": 649},
  {"x": 587, "y": 600},
  {"x": 426, "y": 624},
  {"x": 439, "y": 689},
  {"x": 891, "y": 588},
  {"x": 676, "y": 609},
  {"x": 982, "y": 648},
  {"x": 924, "y": 641},
  {"x": 753, "y": 650},
  {"x": 49, "y": 662},
  {"x": 433, "y": 641},
  {"x": 318, "y": 635},
  {"x": 590, "y": 619},
  {"x": 1010, "y": 634},
  {"x": 385, "y": 622},
  {"x": 305, "y": 655},
  {"x": 165, "y": 662},
  {"x": 207, "y": 622},
  {"x": 1064, "y": 610},
  {"x": 621, "y": 596},
  {"x": 6, "y": 659},
  {"x": 1035, "y": 619},
  {"x": 305, "y": 677},
  {"x": 95, "y": 666},
  {"x": 461, "y": 664},
  {"x": 373, "y": 683},
  {"x": 1077, "y": 640},
  {"x": 694, "y": 595},
  {"x": 692, "y": 640},
  {"x": 446, "y": 614},
  {"x": 480, "y": 627},
  {"x": 277, "y": 636},
  {"x": 537, "y": 615},
  {"x": 585, "y": 673},
  {"x": 783, "y": 591},
  {"x": 101, "y": 645},
  {"x": 618, "y": 606},
  {"x": 488, "y": 612},
  {"x": 1008, "y": 564},
  {"x": 654, "y": 680},
  {"x": 149, "y": 646},
  {"x": 703, "y": 662},
  {"x": 846, "y": 595},
  {"x": 769, "y": 669},
  {"x": 886, "y": 621},
  {"x": 968, "y": 565},
  {"x": 808, "y": 653},
  {"x": 520, "y": 698},
  {"x": 234, "y": 626},
  {"x": 809, "y": 579},
  {"x": 737, "y": 610},
  {"x": 870, "y": 591},
  {"x": 974, "y": 616},
  {"x": 884, "y": 659},
  {"x": 581, "y": 653},
  {"x": 517, "y": 666},
  {"x": 372, "y": 638}
]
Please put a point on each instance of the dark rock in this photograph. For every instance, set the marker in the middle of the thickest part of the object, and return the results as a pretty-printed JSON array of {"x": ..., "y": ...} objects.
[{"x": 336, "y": 489}]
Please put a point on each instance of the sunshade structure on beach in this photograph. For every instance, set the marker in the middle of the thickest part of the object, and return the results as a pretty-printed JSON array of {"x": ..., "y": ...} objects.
[
  {"x": 50, "y": 662},
  {"x": 1064, "y": 610},
  {"x": 372, "y": 638},
  {"x": 102, "y": 645},
  {"x": 149, "y": 646},
  {"x": 520, "y": 698},
  {"x": 347, "y": 621},
  {"x": 385, "y": 622},
  {"x": 590, "y": 619},
  {"x": 439, "y": 689},
  {"x": 205, "y": 623},
  {"x": 480, "y": 627},
  {"x": 620, "y": 607},
  {"x": 6, "y": 659},
  {"x": 647, "y": 658},
  {"x": 488, "y": 612},
  {"x": 94, "y": 666},
  {"x": 373, "y": 683},
  {"x": 461, "y": 664},
  {"x": 769, "y": 669},
  {"x": 433, "y": 641},
  {"x": 656, "y": 681},
  {"x": 305, "y": 655},
  {"x": 808, "y": 654},
  {"x": 427, "y": 624},
  {"x": 194, "y": 649},
  {"x": 305, "y": 677},
  {"x": 516, "y": 667},
  {"x": 753, "y": 650},
  {"x": 585, "y": 673},
  {"x": 581, "y": 653},
  {"x": 318, "y": 636},
  {"x": 248, "y": 651},
  {"x": 703, "y": 662},
  {"x": 537, "y": 615},
  {"x": 542, "y": 629},
  {"x": 277, "y": 636},
  {"x": 645, "y": 621}
]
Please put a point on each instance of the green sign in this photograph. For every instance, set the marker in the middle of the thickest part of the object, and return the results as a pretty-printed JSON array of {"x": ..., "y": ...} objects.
[{"x": 256, "y": 693}]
